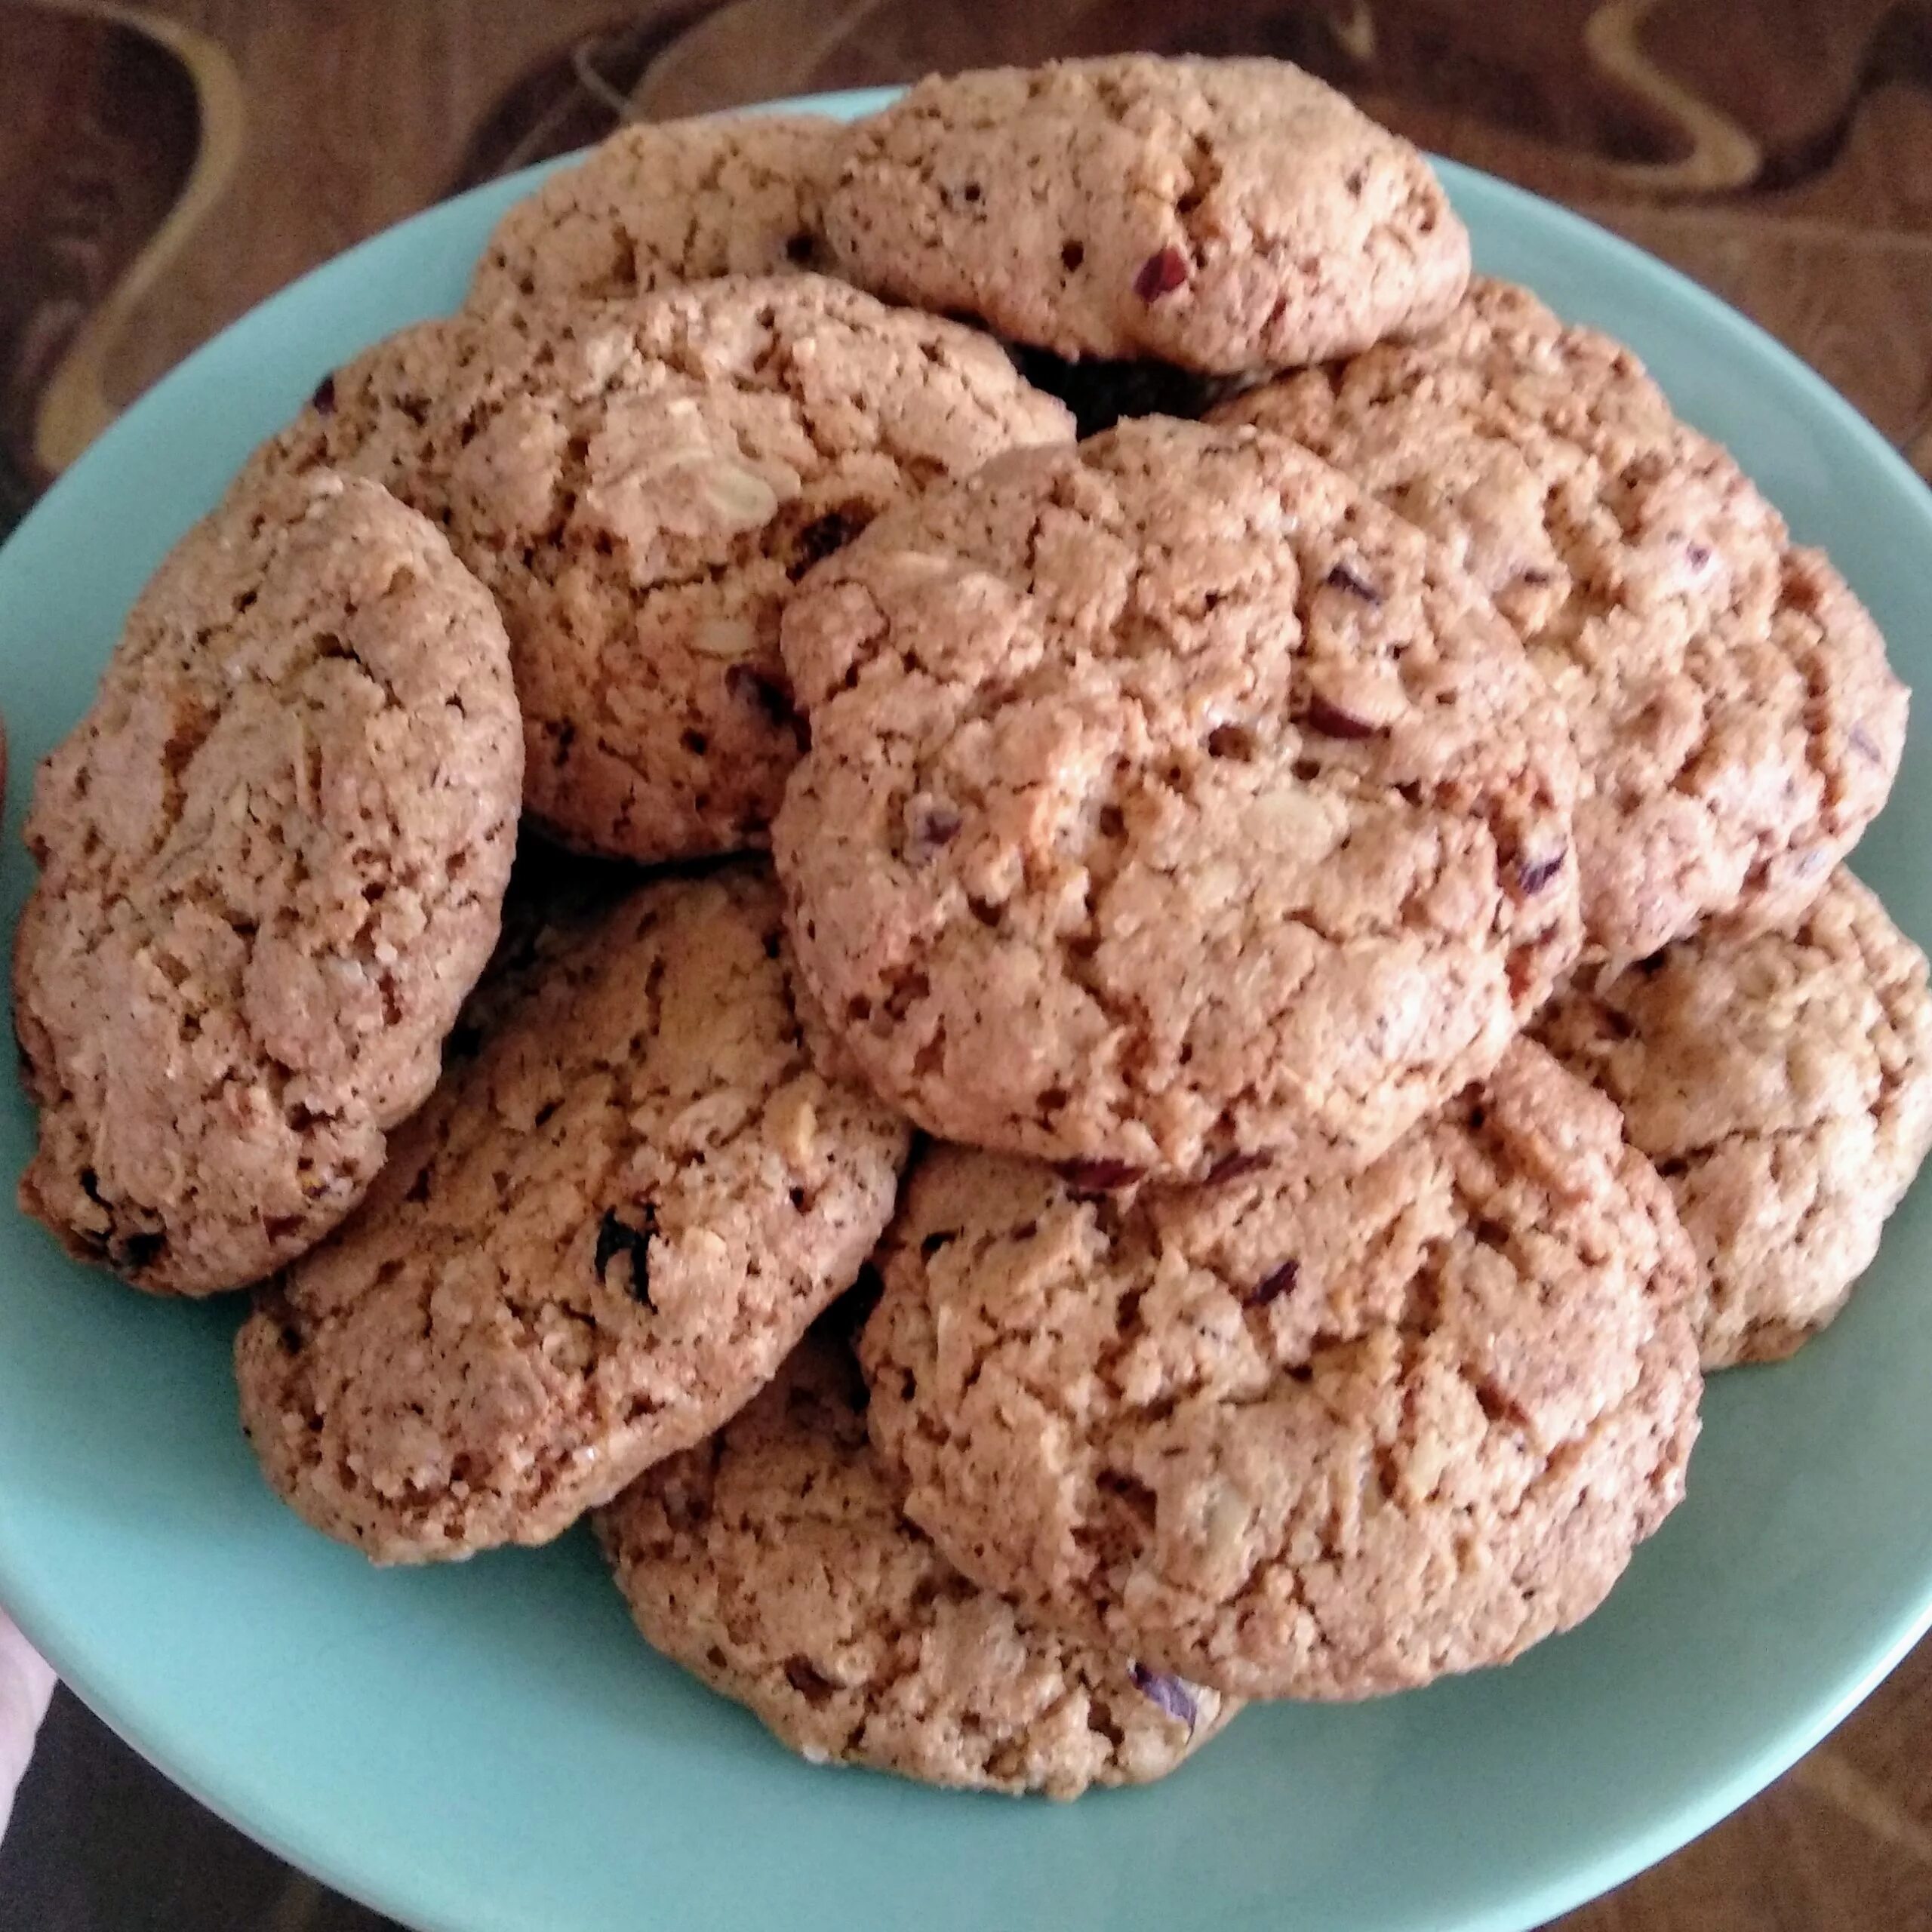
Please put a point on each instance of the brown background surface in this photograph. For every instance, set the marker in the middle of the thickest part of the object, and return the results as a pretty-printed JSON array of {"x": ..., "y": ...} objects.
[{"x": 163, "y": 168}]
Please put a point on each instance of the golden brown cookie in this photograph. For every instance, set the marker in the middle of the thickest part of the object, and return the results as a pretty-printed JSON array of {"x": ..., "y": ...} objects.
[
  {"x": 772, "y": 1561},
  {"x": 1167, "y": 799},
  {"x": 1783, "y": 1084},
  {"x": 1223, "y": 215},
  {"x": 640, "y": 484},
  {"x": 1737, "y": 722},
  {"x": 1296, "y": 1437},
  {"x": 272, "y": 858},
  {"x": 663, "y": 202},
  {"x": 600, "y": 1238}
]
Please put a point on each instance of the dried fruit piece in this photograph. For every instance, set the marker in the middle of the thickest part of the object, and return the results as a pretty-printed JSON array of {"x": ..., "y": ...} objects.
[
  {"x": 1275, "y": 1283},
  {"x": 822, "y": 537},
  {"x": 931, "y": 824},
  {"x": 615, "y": 1237},
  {"x": 1332, "y": 722},
  {"x": 1532, "y": 874},
  {"x": 1169, "y": 1692},
  {"x": 1161, "y": 275},
  {"x": 1342, "y": 578}
]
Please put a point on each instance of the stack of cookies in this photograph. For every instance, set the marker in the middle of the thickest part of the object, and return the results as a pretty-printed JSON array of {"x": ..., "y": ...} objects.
[{"x": 1245, "y": 973}]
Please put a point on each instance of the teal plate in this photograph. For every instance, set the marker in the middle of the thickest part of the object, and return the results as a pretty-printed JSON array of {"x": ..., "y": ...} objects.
[{"x": 489, "y": 1748}]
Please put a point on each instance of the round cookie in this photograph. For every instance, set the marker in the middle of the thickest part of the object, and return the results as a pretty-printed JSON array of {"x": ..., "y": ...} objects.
[
  {"x": 600, "y": 1238},
  {"x": 1294, "y": 1437},
  {"x": 1733, "y": 713},
  {"x": 773, "y": 1562},
  {"x": 640, "y": 484},
  {"x": 1222, "y": 215},
  {"x": 1783, "y": 1084},
  {"x": 272, "y": 858},
  {"x": 1167, "y": 799},
  {"x": 663, "y": 202}
]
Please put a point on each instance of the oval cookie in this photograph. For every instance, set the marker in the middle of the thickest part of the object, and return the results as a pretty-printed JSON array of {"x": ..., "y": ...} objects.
[
  {"x": 773, "y": 1563},
  {"x": 1296, "y": 1437},
  {"x": 272, "y": 860},
  {"x": 663, "y": 202},
  {"x": 1168, "y": 799},
  {"x": 1783, "y": 1084},
  {"x": 1737, "y": 722},
  {"x": 640, "y": 484},
  {"x": 600, "y": 1238},
  {"x": 1223, "y": 215}
]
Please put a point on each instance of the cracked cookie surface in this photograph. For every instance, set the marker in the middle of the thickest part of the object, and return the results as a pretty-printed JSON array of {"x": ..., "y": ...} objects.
[
  {"x": 664, "y": 202},
  {"x": 602, "y": 1235},
  {"x": 641, "y": 484},
  {"x": 1298, "y": 1437},
  {"x": 272, "y": 858},
  {"x": 773, "y": 1563},
  {"x": 1783, "y": 1084},
  {"x": 1168, "y": 799},
  {"x": 1222, "y": 215},
  {"x": 1736, "y": 720}
]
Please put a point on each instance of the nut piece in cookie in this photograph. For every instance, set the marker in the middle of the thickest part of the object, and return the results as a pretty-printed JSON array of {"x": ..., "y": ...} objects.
[
  {"x": 1167, "y": 800},
  {"x": 772, "y": 1561},
  {"x": 1737, "y": 722},
  {"x": 640, "y": 484},
  {"x": 664, "y": 202},
  {"x": 1783, "y": 1084},
  {"x": 1221, "y": 215},
  {"x": 600, "y": 1238},
  {"x": 1299, "y": 1438},
  {"x": 272, "y": 860}
]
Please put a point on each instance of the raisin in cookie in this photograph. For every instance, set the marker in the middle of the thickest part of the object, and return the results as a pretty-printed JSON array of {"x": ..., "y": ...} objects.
[
  {"x": 1297, "y": 1438},
  {"x": 641, "y": 484},
  {"x": 1223, "y": 215},
  {"x": 602, "y": 1235},
  {"x": 772, "y": 1561},
  {"x": 1737, "y": 722},
  {"x": 664, "y": 202},
  {"x": 272, "y": 858},
  {"x": 1783, "y": 1084},
  {"x": 1167, "y": 799}
]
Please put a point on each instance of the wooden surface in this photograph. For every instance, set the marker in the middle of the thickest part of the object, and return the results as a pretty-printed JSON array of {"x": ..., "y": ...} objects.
[{"x": 1780, "y": 151}]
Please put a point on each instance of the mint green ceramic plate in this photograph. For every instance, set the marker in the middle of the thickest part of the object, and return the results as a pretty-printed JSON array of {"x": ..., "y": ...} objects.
[{"x": 488, "y": 1749}]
